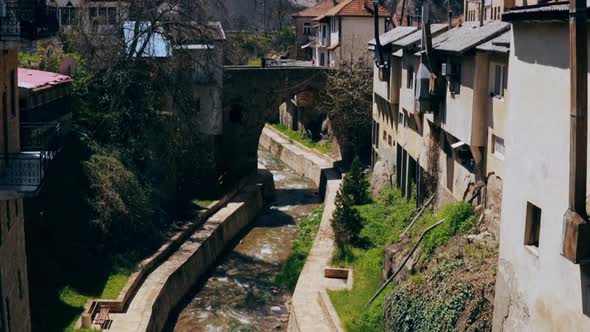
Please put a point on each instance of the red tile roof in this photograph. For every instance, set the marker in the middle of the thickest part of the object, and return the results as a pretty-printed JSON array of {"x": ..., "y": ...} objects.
[
  {"x": 317, "y": 10},
  {"x": 356, "y": 8}
]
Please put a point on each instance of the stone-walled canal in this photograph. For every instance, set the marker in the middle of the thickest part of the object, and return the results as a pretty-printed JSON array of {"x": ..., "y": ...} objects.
[{"x": 240, "y": 295}]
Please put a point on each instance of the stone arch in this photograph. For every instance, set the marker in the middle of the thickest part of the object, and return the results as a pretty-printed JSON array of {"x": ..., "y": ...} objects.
[{"x": 253, "y": 96}]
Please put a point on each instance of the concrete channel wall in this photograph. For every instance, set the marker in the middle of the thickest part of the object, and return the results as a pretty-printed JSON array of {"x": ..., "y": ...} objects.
[
  {"x": 175, "y": 278},
  {"x": 217, "y": 234},
  {"x": 311, "y": 309},
  {"x": 304, "y": 161}
]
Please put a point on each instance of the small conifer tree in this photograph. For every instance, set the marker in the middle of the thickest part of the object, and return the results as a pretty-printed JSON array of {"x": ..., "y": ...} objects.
[
  {"x": 346, "y": 221},
  {"x": 356, "y": 184}
]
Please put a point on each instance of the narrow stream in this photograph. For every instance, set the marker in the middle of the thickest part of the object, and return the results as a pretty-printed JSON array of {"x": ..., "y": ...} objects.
[{"x": 240, "y": 294}]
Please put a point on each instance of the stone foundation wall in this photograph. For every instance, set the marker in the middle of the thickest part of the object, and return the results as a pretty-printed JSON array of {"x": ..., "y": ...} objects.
[{"x": 13, "y": 263}]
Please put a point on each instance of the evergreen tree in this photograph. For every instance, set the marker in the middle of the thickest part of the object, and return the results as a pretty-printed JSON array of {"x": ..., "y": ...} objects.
[
  {"x": 356, "y": 184},
  {"x": 346, "y": 221}
]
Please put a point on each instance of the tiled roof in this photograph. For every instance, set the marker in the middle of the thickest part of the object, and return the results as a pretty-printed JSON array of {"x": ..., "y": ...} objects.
[
  {"x": 417, "y": 36},
  {"x": 356, "y": 8},
  {"x": 500, "y": 44},
  {"x": 468, "y": 36},
  {"x": 317, "y": 10},
  {"x": 393, "y": 35}
]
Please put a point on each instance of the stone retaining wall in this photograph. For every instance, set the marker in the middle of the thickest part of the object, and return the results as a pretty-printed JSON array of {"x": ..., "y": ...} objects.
[{"x": 311, "y": 308}]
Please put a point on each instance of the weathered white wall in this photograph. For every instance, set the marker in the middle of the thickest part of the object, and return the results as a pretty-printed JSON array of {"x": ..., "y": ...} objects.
[
  {"x": 407, "y": 99},
  {"x": 537, "y": 290},
  {"x": 459, "y": 107},
  {"x": 496, "y": 120},
  {"x": 355, "y": 35}
]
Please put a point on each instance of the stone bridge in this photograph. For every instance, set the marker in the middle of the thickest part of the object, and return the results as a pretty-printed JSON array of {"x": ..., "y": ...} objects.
[{"x": 251, "y": 97}]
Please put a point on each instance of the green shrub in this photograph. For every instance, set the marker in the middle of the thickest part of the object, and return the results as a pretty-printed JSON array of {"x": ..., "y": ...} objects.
[
  {"x": 324, "y": 147},
  {"x": 300, "y": 248},
  {"x": 459, "y": 219},
  {"x": 411, "y": 309},
  {"x": 121, "y": 209}
]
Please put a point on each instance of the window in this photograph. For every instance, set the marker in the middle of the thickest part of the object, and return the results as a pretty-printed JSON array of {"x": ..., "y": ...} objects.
[
  {"x": 455, "y": 84},
  {"x": 533, "y": 225},
  {"x": 498, "y": 80},
  {"x": 68, "y": 14},
  {"x": 384, "y": 136},
  {"x": 333, "y": 20},
  {"x": 377, "y": 135},
  {"x": 389, "y": 140},
  {"x": 410, "y": 83},
  {"x": 307, "y": 29},
  {"x": 324, "y": 32},
  {"x": 322, "y": 59},
  {"x": 498, "y": 146}
]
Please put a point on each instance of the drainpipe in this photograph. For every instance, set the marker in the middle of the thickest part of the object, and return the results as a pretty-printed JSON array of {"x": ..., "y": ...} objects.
[
  {"x": 481, "y": 11},
  {"x": 576, "y": 246},
  {"x": 450, "y": 18},
  {"x": 381, "y": 63}
]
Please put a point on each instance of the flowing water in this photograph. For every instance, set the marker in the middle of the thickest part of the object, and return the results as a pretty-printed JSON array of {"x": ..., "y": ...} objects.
[{"x": 240, "y": 294}]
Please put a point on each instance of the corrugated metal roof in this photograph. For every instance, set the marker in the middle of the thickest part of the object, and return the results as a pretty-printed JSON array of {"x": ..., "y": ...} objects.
[
  {"x": 500, "y": 44},
  {"x": 468, "y": 36},
  {"x": 547, "y": 11},
  {"x": 417, "y": 35},
  {"x": 393, "y": 35}
]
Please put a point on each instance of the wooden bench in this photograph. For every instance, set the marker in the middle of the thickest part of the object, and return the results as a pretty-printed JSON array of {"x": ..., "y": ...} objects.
[{"x": 102, "y": 316}]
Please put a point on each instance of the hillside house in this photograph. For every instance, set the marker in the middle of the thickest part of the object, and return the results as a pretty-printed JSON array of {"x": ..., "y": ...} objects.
[
  {"x": 537, "y": 287},
  {"x": 454, "y": 134},
  {"x": 340, "y": 30},
  {"x": 21, "y": 24}
]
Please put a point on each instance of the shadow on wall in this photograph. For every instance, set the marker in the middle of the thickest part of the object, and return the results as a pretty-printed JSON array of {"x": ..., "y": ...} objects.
[{"x": 528, "y": 47}]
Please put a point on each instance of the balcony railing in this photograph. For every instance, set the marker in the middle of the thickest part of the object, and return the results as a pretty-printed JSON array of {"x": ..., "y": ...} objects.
[
  {"x": 22, "y": 20},
  {"x": 25, "y": 172}
]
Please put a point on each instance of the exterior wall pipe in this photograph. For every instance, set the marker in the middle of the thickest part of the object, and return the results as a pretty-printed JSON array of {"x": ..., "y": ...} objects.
[{"x": 576, "y": 235}]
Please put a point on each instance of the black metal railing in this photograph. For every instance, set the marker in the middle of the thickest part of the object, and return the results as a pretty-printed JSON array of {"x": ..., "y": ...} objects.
[
  {"x": 27, "y": 20},
  {"x": 25, "y": 171}
]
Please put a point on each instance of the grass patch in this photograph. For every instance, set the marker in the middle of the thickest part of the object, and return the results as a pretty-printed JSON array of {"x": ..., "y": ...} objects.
[
  {"x": 58, "y": 299},
  {"x": 300, "y": 248},
  {"x": 325, "y": 147},
  {"x": 383, "y": 221},
  {"x": 367, "y": 265}
]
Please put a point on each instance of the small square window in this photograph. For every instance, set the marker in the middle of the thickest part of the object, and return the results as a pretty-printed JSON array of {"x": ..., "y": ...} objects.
[
  {"x": 498, "y": 146},
  {"x": 498, "y": 80},
  {"x": 307, "y": 29},
  {"x": 533, "y": 225}
]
